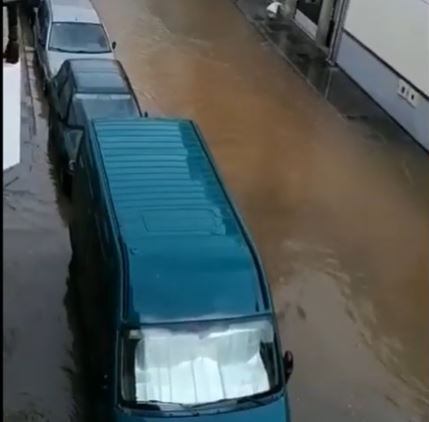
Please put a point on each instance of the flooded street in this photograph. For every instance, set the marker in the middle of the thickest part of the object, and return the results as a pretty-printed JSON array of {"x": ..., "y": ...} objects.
[
  {"x": 341, "y": 220},
  {"x": 40, "y": 346}
]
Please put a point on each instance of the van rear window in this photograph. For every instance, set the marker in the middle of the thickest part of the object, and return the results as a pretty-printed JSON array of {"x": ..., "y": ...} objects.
[
  {"x": 108, "y": 105},
  {"x": 199, "y": 364}
]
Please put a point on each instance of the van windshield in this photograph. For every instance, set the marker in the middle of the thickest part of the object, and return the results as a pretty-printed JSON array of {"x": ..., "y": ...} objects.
[
  {"x": 77, "y": 37},
  {"x": 199, "y": 363}
]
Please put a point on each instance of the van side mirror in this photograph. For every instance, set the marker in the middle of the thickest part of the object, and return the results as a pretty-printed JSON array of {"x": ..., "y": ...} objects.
[
  {"x": 288, "y": 364},
  {"x": 114, "y": 45}
]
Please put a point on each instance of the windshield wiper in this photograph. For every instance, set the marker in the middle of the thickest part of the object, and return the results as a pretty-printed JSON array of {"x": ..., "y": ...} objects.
[
  {"x": 83, "y": 51},
  {"x": 167, "y": 406},
  {"x": 150, "y": 405},
  {"x": 251, "y": 399},
  {"x": 61, "y": 50},
  {"x": 91, "y": 51}
]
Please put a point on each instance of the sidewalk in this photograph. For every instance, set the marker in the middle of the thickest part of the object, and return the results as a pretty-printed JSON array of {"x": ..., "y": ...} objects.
[
  {"x": 40, "y": 369},
  {"x": 330, "y": 82},
  {"x": 27, "y": 118}
]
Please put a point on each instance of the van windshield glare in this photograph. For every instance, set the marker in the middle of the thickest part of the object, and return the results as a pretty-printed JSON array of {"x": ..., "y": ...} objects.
[{"x": 199, "y": 363}]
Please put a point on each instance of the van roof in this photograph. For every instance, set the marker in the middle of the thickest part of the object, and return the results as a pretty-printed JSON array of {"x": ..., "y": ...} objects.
[
  {"x": 99, "y": 76},
  {"x": 73, "y": 11},
  {"x": 186, "y": 252}
]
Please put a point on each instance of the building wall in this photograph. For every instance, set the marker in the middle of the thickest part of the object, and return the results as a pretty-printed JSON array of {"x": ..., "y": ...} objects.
[
  {"x": 397, "y": 31},
  {"x": 385, "y": 41},
  {"x": 381, "y": 83}
]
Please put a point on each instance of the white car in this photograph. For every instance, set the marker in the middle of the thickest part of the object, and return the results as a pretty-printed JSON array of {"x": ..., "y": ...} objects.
[{"x": 68, "y": 29}]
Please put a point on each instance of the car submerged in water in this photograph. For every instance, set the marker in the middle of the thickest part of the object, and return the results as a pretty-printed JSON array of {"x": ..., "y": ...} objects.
[
  {"x": 68, "y": 29},
  {"x": 82, "y": 90}
]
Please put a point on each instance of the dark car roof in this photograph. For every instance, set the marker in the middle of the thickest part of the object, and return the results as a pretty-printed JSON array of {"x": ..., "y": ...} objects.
[
  {"x": 99, "y": 76},
  {"x": 186, "y": 252}
]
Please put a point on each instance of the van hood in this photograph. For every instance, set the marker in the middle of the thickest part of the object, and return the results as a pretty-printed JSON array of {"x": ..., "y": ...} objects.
[
  {"x": 57, "y": 58},
  {"x": 276, "y": 411}
]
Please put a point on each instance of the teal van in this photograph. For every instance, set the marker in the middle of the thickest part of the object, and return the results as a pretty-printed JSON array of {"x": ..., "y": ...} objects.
[{"x": 177, "y": 309}]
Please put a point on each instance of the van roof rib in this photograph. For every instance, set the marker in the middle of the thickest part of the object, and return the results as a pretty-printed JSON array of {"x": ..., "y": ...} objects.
[{"x": 187, "y": 254}]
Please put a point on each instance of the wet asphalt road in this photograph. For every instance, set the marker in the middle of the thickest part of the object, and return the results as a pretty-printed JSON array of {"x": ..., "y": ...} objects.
[
  {"x": 340, "y": 218},
  {"x": 42, "y": 370}
]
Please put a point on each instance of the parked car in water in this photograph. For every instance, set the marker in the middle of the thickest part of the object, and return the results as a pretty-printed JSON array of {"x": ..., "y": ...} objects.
[
  {"x": 82, "y": 90},
  {"x": 178, "y": 312},
  {"x": 67, "y": 29}
]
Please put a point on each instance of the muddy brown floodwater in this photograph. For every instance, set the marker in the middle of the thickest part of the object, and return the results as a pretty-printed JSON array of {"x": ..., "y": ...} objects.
[{"x": 341, "y": 220}]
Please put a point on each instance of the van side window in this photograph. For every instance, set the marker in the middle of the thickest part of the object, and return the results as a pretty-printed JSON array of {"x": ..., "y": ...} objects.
[
  {"x": 84, "y": 170},
  {"x": 97, "y": 291},
  {"x": 106, "y": 232},
  {"x": 102, "y": 235},
  {"x": 106, "y": 229},
  {"x": 88, "y": 164},
  {"x": 91, "y": 189}
]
